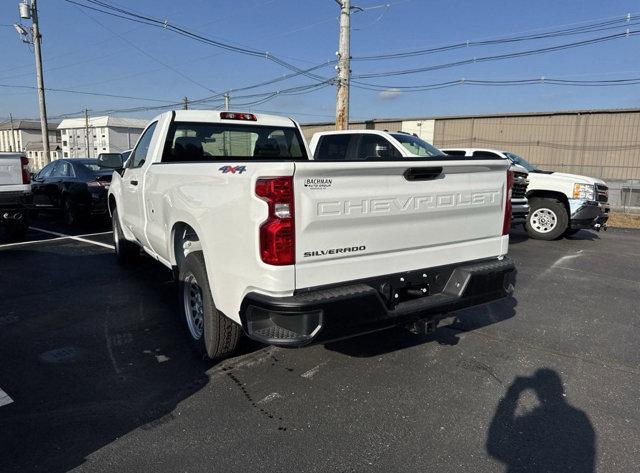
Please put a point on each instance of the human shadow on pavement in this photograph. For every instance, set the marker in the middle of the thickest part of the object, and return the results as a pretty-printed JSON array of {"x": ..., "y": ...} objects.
[
  {"x": 551, "y": 437},
  {"x": 399, "y": 338}
]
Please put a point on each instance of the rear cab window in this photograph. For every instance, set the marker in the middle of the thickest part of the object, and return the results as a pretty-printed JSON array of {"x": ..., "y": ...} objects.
[
  {"x": 455, "y": 152},
  {"x": 198, "y": 141}
]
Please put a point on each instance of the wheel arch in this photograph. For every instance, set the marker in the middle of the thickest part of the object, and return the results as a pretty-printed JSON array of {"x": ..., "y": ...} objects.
[
  {"x": 184, "y": 240},
  {"x": 544, "y": 194}
]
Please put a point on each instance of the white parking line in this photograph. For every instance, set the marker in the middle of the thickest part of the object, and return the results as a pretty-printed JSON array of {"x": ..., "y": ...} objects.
[
  {"x": 61, "y": 236},
  {"x": 73, "y": 237},
  {"x": 4, "y": 398}
]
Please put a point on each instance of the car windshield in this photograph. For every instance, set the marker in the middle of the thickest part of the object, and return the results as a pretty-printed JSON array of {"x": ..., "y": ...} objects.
[
  {"x": 417, "y": 146},
  {"x": 515, "y": 159}
]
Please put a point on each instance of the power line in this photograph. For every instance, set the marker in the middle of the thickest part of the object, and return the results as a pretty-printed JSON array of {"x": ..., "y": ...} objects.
[
  {"x": 498, "y": 83},
  {"x": 601, "y": 25},
  {"x": 499, "y": 57},
  {"x": 264, "y": 97},
  {"x": 142, "y": 51},
  {"x": 122, "y": 13},
  {"x": 79, "y": 92}
]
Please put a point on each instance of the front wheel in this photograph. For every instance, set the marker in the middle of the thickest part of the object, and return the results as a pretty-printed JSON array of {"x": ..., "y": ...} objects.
[
  {"x": 211, "y": 334},
  {"x": 548, "y": 219}
]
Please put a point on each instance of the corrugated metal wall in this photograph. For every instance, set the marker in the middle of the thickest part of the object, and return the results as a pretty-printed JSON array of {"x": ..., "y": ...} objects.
[{"x": 602, "y": 144}]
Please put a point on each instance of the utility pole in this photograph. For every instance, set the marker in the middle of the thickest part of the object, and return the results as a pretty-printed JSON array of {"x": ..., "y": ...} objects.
[
  {"x": 31, "y": 11},
  {"x": 342, "y": 96},
  {"x": 86, "y": 130},
  {"x": 13, "y": 138},
  {"x": 226, "y": 101},
  {"x": 186, "y": 103}
]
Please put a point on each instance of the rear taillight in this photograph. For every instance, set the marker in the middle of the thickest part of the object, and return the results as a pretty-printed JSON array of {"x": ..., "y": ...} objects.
[
  {"x": 506, "y": 223},
  {"x": 24, "y": 164},
  {"x": 277, "y": 232}
]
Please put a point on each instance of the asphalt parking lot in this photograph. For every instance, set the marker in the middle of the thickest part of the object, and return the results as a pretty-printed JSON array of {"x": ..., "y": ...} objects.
[{"x": 96, "y": 374}]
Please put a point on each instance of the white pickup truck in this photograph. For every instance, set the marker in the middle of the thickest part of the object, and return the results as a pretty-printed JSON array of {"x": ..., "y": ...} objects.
[
  {"x": 561, "y": 204},
  {"x": 295, "y": 251},
  {"x": 14, "y": 190}
]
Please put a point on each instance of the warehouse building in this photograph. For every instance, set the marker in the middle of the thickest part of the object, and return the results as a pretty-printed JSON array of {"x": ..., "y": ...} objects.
[{"x": 598, "y": 143}]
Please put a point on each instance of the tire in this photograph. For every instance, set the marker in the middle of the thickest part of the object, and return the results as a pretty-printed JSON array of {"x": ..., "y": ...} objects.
[
  {"x": 211, "y": 334},
  {"x": 547, "y": 220},
  {"x": 126, "y": 251},
  {"x": 69, "y": 214}
]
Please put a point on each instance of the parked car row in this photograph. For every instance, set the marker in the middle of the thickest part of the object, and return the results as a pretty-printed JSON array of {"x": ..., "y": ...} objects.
[
  {"x": 280, "y": 240},
  {"x": 74, "y": 189}
]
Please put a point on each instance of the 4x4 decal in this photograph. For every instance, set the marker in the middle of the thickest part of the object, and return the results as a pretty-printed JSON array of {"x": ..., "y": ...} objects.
[{"x": 232, "y": 169}]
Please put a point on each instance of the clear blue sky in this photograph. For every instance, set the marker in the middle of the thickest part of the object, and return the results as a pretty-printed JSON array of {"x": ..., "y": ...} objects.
[{"x": 82, "y": 55}]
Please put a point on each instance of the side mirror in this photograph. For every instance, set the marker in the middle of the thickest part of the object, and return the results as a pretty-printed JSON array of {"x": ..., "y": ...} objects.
[{"x": 110, "y": 161}]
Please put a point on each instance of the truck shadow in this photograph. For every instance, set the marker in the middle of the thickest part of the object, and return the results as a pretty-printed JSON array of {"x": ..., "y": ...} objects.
[
  {"x": 90, "y": 352},
  {"x": 399, "y": 338},
  {"x": 550, "y": 435},
  {"x": 517, "y": 236}
]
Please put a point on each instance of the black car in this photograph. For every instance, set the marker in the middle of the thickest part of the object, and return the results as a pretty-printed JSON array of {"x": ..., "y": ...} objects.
[{"x": 75, "y": 187}]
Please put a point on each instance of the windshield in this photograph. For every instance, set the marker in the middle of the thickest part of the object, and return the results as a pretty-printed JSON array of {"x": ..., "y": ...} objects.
[
  {"x": 417, "y": 146},
  {"x": 515, "y": 159},
  {"x": 218, "y": 141}
]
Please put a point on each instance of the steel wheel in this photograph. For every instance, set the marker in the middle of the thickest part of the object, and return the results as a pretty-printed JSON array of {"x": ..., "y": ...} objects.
[
  {"x": 193, "y": 306},
  {"x": 543, "y": 220}
]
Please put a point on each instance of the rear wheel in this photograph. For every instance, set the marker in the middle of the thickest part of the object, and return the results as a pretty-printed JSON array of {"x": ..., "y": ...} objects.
[
  {"x": 126, "y": 251},
  {"x": 211, "y": 334},
  {"x": 548, "y": 219}
]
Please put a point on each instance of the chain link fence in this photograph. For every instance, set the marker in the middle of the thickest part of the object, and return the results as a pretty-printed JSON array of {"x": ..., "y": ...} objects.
[{"x": 624, "y": 196}]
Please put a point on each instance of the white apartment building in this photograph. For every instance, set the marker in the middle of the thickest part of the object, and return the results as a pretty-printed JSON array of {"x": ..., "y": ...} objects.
[
  {"x": 26, "y": 136},
  {"x": 106, "y": 135}
]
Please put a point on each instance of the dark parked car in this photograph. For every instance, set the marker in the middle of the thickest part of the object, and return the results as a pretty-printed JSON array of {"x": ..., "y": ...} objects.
[{"x": 75, "y": 187}]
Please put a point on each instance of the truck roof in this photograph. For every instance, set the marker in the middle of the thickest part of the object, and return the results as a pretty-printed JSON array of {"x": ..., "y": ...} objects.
[
  {"x": 489, "y": 150},
  {"x": 213, "y": 116}
]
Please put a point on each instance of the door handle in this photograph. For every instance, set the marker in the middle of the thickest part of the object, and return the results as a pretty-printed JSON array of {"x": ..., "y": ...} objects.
[
  {"x": 133, "y": 183},
  {"x": 423, "y": 173}
]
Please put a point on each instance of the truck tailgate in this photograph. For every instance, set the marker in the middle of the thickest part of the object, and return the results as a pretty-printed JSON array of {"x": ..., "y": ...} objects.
[
  {"x": 356, "y": 220},
  {"x": 10, "y": 169}
]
